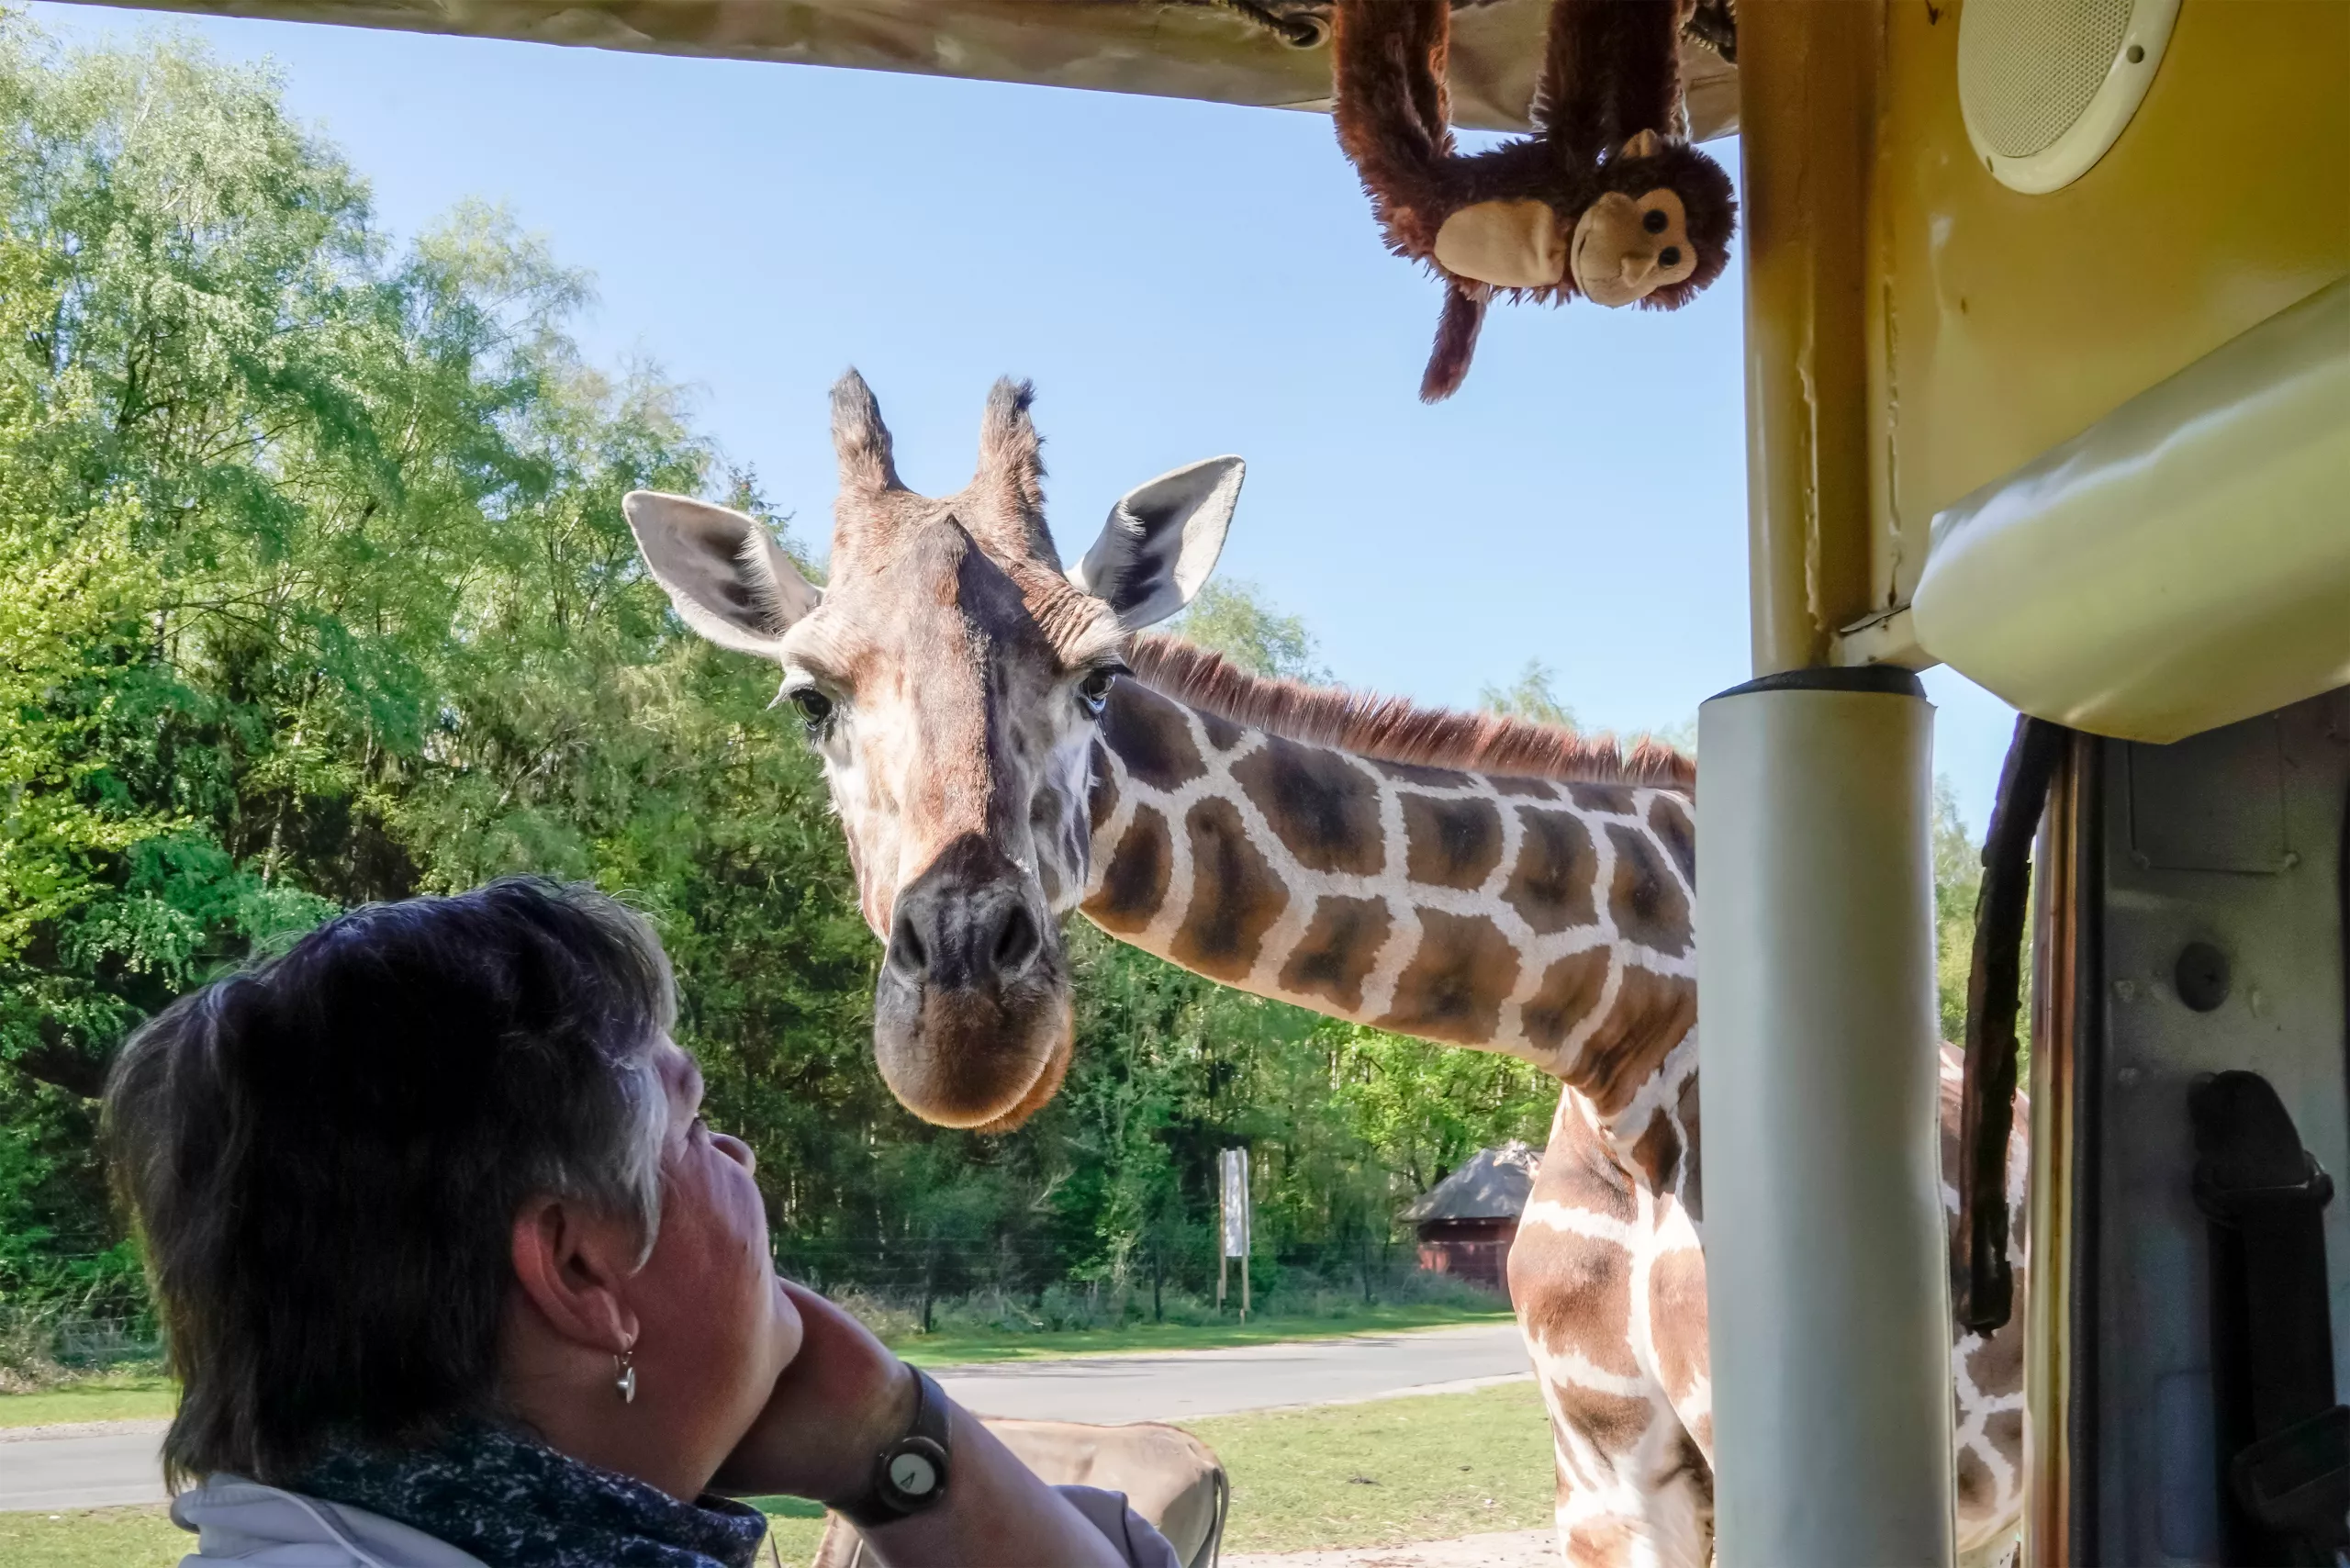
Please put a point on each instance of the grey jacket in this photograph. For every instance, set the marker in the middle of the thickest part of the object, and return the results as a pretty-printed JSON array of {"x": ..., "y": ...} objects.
[{"x": 236, "y": 1520}]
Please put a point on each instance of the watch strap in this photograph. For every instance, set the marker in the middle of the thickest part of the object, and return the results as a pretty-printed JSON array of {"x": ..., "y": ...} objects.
[{"x": 909, "y": 1476}]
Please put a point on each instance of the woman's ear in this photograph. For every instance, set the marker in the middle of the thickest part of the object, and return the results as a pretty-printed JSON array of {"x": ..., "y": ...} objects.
[{"x": 571, "y": 1265}]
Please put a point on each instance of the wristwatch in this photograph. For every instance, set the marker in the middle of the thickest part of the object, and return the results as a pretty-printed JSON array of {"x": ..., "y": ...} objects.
[{"x": 909, "y": 1476}]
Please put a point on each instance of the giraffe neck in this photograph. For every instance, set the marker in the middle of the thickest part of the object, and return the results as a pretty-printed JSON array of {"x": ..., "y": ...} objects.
[{"x": 1547, "y": 919}]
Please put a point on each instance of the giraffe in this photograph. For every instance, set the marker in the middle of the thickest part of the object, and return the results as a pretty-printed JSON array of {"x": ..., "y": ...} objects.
[{"x": 1006, "y": 745}]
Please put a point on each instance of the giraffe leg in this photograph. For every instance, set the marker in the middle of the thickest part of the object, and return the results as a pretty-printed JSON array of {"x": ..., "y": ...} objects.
[
  {"x": 1627, "y": 1496},
  {"x": 1986, "y": 1371},
  {"x": 1634, "y": 1487}
]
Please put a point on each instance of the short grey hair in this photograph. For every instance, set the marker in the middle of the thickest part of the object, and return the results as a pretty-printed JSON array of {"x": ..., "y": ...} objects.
[{"x": 325, "y": 1153}]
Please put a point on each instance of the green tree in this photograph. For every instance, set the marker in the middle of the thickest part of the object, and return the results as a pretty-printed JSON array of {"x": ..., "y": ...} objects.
[
  {"x": 1682, "y": 737},
  {"x": 1233, "y": 617},
  {"x": 1958, "y": 876},
  {"x": 1531, "y": 697}
]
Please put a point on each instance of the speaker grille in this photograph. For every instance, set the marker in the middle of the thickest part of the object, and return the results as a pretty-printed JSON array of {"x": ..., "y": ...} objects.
[{"x": 2026, "y": 69}]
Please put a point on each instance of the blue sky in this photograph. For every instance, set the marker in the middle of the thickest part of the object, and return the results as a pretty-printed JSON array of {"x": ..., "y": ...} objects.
[{"x": 1180, "y": 279}]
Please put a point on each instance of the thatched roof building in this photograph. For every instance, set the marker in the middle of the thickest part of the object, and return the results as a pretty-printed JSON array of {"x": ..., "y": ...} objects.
[{"x": 1467, "y": 1221}]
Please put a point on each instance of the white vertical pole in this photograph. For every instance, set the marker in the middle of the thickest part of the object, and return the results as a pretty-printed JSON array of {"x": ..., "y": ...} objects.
[
  {"x": 1247, "y": 1230},
  {"x": 1826, "y": 1281}
]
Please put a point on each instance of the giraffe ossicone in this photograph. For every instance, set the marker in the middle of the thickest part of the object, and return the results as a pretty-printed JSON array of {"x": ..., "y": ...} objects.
[{"x": 1004, "y": 745}]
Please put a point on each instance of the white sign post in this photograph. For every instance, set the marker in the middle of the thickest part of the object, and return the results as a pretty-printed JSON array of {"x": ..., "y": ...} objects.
[{"x": 1236, "y": 1216}]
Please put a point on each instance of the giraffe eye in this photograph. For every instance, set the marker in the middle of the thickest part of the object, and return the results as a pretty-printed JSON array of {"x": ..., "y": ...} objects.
[
  {"x": 1653, "y": 220},
  {"x": 1093, "y": 691},
  {"x": 815, "y": 707},
  {"x": 1669, "y": 256}
]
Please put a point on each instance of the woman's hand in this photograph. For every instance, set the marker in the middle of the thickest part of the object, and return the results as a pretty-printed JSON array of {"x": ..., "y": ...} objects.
[
  {"x": 846, "y": 1398},
  {"x": 842, "y": 1399}
]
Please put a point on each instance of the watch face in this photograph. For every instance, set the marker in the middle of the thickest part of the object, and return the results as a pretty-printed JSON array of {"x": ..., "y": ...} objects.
[{"x": 913, "y": 1473}]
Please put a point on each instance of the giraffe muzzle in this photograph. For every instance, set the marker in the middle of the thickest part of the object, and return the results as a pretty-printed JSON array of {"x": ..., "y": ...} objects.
[{"x": 971, "y": 1012}]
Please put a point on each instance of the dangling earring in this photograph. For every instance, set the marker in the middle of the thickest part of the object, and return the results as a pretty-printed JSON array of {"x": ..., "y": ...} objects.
[{"x": 624, "y": 1375}]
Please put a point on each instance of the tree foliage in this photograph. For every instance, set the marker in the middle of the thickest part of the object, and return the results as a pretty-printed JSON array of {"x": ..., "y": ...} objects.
[
  {"x": 314, "y": 589},
  {"x": 1233, "y": 617},
  {"x": 1529, "y": 697}
]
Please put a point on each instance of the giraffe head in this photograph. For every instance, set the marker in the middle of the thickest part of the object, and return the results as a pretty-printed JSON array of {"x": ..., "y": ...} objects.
[{"x": 951, "y": 674}]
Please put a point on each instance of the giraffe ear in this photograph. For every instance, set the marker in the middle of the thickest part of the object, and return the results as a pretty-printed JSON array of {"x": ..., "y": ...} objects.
[
  {"x": 729, "y": 579},
  {"x": 1161, "y": 542}
]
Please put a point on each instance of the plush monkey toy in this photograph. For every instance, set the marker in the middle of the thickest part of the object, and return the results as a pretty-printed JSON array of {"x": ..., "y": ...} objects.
[{"x": 1603, "y": 201}]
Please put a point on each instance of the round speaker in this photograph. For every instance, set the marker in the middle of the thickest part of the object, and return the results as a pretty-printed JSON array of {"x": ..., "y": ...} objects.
[{"x": 2047, "y": 86}]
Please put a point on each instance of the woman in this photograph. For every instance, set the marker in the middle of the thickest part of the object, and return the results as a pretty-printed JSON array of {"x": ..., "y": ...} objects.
[{"x": 453, "y": 1272}]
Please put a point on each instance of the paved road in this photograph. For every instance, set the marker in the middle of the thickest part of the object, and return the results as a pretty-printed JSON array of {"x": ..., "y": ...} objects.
[
  {"x": 99, "y": 1466},
  {"x": 94, "y": 1466},
  {"x": 1181, "y": 1386}
]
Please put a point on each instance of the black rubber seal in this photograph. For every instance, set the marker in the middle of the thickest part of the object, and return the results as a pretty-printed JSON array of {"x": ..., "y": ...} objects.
[{"x": 1887, "y": 681}]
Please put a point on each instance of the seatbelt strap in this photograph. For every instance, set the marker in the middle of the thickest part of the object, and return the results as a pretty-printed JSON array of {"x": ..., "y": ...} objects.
[{"x": 2284, "y": 1440}]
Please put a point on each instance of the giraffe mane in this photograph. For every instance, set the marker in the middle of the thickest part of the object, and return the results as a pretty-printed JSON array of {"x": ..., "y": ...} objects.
[{"x": 1391, "y": 729}]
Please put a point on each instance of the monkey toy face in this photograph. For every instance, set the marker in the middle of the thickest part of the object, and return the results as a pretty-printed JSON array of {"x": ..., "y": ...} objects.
[
  {"x": 1626, "y": 248},
  {"x": 1621, "y": 249}
]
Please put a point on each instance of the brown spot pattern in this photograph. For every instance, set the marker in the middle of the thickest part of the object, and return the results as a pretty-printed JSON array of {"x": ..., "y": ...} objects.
[
  {"x": 1222, "y": 733},
  {"x": 1535, "y": 788},
  {"x": 1420, "y": 773},
  {"x": 1570, "y": 988},
  {"x": 1600, "y": 1543},
  {"x": 1693, "y": 1192},
  {"x": 1669, "y": 820},
  {"x": 1324, "y": 808},
  {"x": 1150, "y": 737},
  {"x": 1615, "y": 798},
  {"x": 1550, "y": 887},
  {"x": 1613, "y": 1422},
  {"x": 1451, "y": 844},
  {"x": 1340, "y": 942},
  {"x": 1235, "y": 895},
  {"x": 1458, "y": 977},
  {"x": 1677, "y": 1319},
  {"x": 1652, "y": 1013},
  {"x": 1134, "y": 882},
  {"x": 1648, "y": 904},
  {"x": 1575, "y": 1296},
  {"x": 1997, "y": 1363},
  {"x": 1658, "y": 1149},
  {"x": 1101, "y": 793},
  {"x": 2003, "y": 1430},
  {"x": 1977, "y": 1489}
]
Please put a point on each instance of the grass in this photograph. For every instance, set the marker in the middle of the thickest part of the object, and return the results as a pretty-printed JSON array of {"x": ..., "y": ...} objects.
[
  {"x": 93, "y": 1538},
  {"x": 102, "y": 1396},
  {"x": 120, "y": 1397},
  {"x": 1394, "y": 1471}
]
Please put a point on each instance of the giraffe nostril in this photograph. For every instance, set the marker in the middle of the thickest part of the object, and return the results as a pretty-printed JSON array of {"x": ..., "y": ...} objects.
[
  {"x": 1017, "y": 943},
  {"x": 907, "y": 954}
]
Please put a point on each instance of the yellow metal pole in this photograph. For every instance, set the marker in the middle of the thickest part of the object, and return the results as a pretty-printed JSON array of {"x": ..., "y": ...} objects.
[{"x": 1806, "y": 72}]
